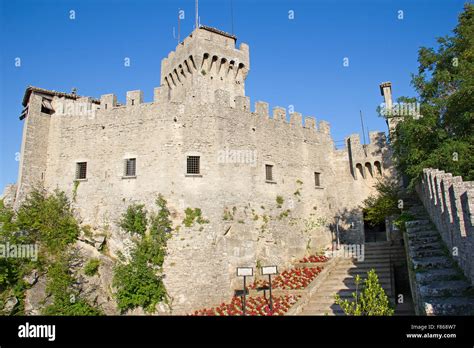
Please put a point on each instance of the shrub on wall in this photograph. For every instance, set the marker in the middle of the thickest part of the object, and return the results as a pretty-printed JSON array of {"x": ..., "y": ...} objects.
[
  {"x": 134, "y": 220},
  {"x": 92, "y": 267},
  {"x": 48, "y": 222},
  {"x": 136, "y": 281},
  {"x": 66, "y": 299}
]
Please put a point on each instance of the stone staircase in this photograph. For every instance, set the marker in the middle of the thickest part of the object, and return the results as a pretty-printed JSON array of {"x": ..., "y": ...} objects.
[
  {"x": 438, "y": 284},
  {"x": 379, "y": 256}
]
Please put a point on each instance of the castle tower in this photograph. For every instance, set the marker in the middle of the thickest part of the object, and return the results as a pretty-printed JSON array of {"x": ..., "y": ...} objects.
[
  {"x": 207, "y": 60},
  {"x": 391, "y": 118}
]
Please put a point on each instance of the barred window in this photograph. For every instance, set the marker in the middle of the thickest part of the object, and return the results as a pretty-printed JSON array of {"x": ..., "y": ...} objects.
[
  {"x": 268, "y": 172},
  {"x": 317, "y": 179},
  {"x": 81, "y": 170},
  {"x": 131, "y": 167},
  {"x": 193, "y": 165}
]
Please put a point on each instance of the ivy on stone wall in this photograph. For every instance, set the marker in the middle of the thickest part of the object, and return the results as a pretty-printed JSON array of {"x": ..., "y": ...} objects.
[{"x": 139, "y": 281}]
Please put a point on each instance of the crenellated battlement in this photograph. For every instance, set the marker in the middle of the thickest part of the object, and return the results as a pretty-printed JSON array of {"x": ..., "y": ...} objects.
[
  {"x": 205, "y": 61},
  {"x": 279, "y": 114},
  {"x": 450, "y": 203}
]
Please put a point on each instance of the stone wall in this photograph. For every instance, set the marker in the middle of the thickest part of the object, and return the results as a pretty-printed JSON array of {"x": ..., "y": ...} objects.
[{"x": 450, "y": 203}]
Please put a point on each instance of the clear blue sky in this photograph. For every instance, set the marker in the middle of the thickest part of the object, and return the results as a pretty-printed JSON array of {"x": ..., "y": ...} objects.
[{"x": 293, "y": 62}]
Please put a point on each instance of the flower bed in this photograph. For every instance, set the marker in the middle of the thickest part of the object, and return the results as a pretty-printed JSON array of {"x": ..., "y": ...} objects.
[
  {"x": 293, "y": 279},
  {"x": 314, "y": 258},
  {"x": 255, "y": 306}
]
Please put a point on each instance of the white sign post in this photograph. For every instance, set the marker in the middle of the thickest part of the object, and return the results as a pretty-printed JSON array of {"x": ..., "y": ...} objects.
[
  {"x": 244, "y": 272},
  {"x": 270, "y": 270}
]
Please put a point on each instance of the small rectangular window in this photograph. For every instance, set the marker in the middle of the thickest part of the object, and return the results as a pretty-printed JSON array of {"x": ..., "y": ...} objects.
[
  {"x": 81, "y": 170},
  {"x": 131, "y": 167},
  {"x": 193, "y": 165},
  {"x": 317, "y": 179},
  {"x": 46, "y": 106},
  {"x": 268, "y": 172}
]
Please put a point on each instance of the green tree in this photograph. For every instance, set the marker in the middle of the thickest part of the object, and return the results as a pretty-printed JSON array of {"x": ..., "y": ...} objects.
[
  {"x": 443, "y": 137},
  {"x": 372, "y": 300},
  {"x": 66, "y": 299},
  {"x": 48, "y": 219},
  {"x": 138, "y": 282},
  {"x": 383, "y": 204},
  {"x": 134, "y": 220}
]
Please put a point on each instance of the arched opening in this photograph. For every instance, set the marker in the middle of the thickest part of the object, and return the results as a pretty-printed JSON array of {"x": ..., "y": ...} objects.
[
  {"x": 223, "y": 62},
  {"x": 378, "y": 168},
  {"x": 213, "y": 65},
  {"x": 368, "y": 168},
  {"x": 360, "y": 170},
  {"x": 191, "y": 59}
]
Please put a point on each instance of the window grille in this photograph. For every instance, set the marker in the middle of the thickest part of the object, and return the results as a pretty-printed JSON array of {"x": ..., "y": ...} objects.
[
  {"x": 81, "y": 170},
  {"x": 268, "y": 172},
  {"x": 317, "y": 179},
  {"x": 131, "y": 167},
  {"x": 193, "y": 165}
]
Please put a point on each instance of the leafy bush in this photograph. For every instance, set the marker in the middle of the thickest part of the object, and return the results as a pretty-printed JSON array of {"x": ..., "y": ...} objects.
[
  {"x": 48, "y": 219},
  {"x": 92, "y": 267},
  {"x": 383, "y": 204},
  {"x": 134, "y": 220},
  {"x": 279, "y": 200},
  {"x": 402, "y": 219},
  {"x": 192, "y": 215},
  {"x": 66, "y": 300},
  {"x": 372, "y": 300},
  {"x": 137, "y": 283}
]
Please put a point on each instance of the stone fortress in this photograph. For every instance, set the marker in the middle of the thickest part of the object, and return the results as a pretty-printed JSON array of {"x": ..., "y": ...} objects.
[{"x": 271, "y": 186}]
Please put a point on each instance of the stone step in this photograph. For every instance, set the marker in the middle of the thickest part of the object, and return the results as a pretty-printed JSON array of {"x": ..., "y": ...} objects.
[
  {"x": 447, "y": 288},
  {"x": 437, "y": 274},
  {"x": 384, "y": 252},
  {"x": 427, "y": 253},
  {"x": 342, "y": 274},
  {"x": 449, "y": 306},
  {"x": 417, "y": 223},
  {"x": 324, "y": 301},
  {"x": 426, "y": 246},
  {"x": 329, "y": 296},
  {"x": 336, "y": 288},
  {"x": 419, "y": 234},
  {"x": 362, "y": 270},
  {"x": 424, "y": 240},
  {"x": 432, "y": 262},
  {"x": 376, "y": 261},
  {"x": 348, "y": 290},
  {"x": 397, "y": 245},
  {"x": 420, "y": 228},
  {"x": 350, "y": 284}
]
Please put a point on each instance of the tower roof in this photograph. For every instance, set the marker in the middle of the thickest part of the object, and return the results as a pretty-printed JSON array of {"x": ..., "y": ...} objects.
[{"x": 217, "y": 31}]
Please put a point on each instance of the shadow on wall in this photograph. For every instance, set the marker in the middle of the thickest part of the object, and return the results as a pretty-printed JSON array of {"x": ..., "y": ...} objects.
[{"x": 349, "y": 223}]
